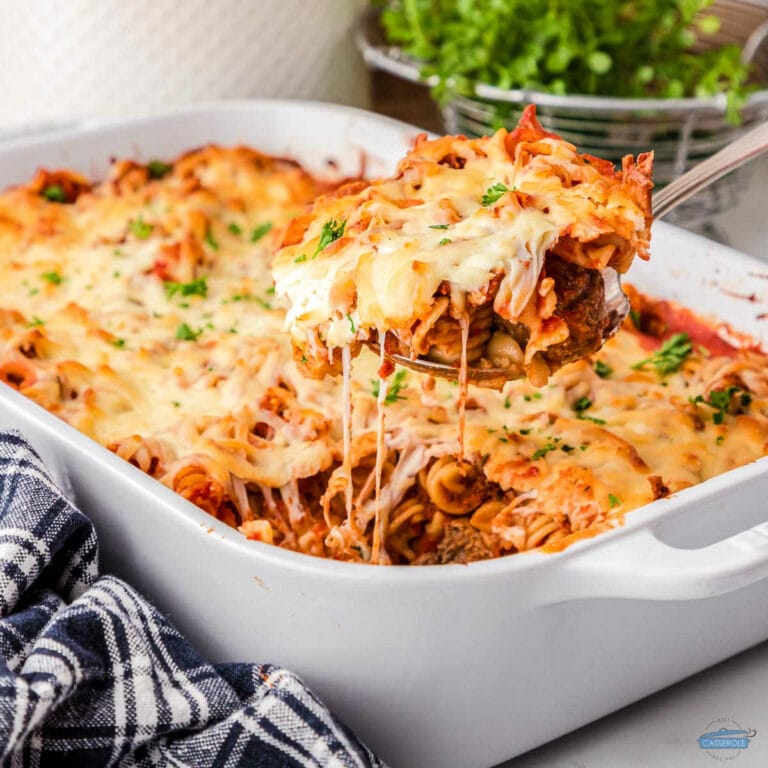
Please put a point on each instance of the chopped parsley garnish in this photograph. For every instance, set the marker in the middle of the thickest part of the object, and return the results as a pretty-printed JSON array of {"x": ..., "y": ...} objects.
[
  {"x": 157, "y": 169},
  {"x": 534, "y": 396},
  {"x": 36, "y": 321},
  {"x": 670, "y": 357},
  {"x": 524, "y": 431},
  {"x": 54, "y": 278},
  {"x": 271, "y": 290},
  {"x": 198, "y": 287},
  {"x": 613, "y": 501},
  {"x": 116, "y": 274},
  {"x": 507, "y": 403},
  {"x": 260, "y": 231},
  {"x": 393, "y": 390},
  {"x": 185, "y": 333},
  {"x": 602, "y": 369},
  {"x": 351, "y": 324},
  {"x": 634, "y": 316},
  {"x": 720, "y": 401},
  {"x": 445, "y": 241},
  {"x": 719, "y": 439},
  {"x": 331, "y": 231},
  {"x": 140, "y": 228},
  {"x": 176, "y": 403},
  {"x": 493, "y": 193},
  {"x": 567, "y": 448},
  {"x": 438, "y": 226},
  {"x": 54, "y": 193},
  {"x": 211, "y": 240},
  {"x": 119, "y": 343},
  {"x": 582, "y": 404},
  {"x": 301, "y": 258},
  {"x": 542, "y": 452},
  {"x": 262, "y": 303},
  {"x": 235, "y": 228}
]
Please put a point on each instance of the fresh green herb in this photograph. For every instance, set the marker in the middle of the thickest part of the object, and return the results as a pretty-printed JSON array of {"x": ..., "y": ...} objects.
[
  {"x": 507, "y": 403},
  {"x": 304, "y": 361},
  {"x": 720, "y": 401},
  {"x": 262, "y": 303},
  {"x": 54, "y": 193},
  {"x": 493, "y": 193},
  {"x": 643, "y": 48},
  {"x": 185, "y": 333},
  {"x": 445, "y": 241},
  {"x": 260, "y": 231},
  {"x": 351, "y": 324},
  {"x": 301, "y": 258},
  {"x": 330, "y": 232},
  {"x": 534, "y": 396},
  {"x": 524, "y": 431},
  {"x": 613, "y": 501},
  {"x": 438, "y": 226},
  {"x": 117, "y": 253},
  {"x": 271, "y": 290},
  {"x": 670, "y": 357},
  {"x": 119, "y": 343},
  {"x": 54, "y": 278},
  {"x": 198, "y": 287},
  {"x": 719, "y": 439},
  {"x": 602, "y": 369},
  {"x": 36, "y": 321},
  {"x": 503, "y": 440},
  {"x": 567, "y": 448},
  {"x": 140, "y": 228},
  {"x": 393, "y": 389},
  {"x": 582, "y": 404},
  {"x": 176, "y": 404},
  {"x": 235, "y": 228},
  {"x": 634, "y": 316},
  {"x": 542, "y": 452},
  {"x": 33, "y": 291},
  {"x": 211, "y": 240},
  {"x": 157, "y": 169},
  {"x": 116, "y": 273}
]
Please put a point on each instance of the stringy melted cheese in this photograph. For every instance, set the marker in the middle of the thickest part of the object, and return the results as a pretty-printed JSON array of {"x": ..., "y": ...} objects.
[{"x": 222, "y": 415}]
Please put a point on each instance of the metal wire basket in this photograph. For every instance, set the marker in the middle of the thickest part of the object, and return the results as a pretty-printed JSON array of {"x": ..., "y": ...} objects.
[{"x": 681, "y": 132}]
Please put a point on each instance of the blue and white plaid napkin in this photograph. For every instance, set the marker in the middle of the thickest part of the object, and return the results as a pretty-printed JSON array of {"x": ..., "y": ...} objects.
[{"x": 91, "y": 674}]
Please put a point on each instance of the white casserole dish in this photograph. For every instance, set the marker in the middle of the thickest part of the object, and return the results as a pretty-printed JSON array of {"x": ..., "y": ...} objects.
[{"x": 445, "y": 665}]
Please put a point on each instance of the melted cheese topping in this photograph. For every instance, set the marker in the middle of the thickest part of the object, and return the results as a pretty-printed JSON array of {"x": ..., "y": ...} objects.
[
  {"x": 458, "y": 212},
  {"x": 143, "y": 314}
]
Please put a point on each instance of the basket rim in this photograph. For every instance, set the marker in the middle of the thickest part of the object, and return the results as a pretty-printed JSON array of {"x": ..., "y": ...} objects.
[{"x": 391, "y": 59}]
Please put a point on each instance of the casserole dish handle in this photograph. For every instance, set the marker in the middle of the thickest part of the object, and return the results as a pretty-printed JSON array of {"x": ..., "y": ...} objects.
[{"x": 640, "y": 566}]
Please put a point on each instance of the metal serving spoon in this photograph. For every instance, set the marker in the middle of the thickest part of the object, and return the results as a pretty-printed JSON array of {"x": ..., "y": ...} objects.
[{"x": 732, "y": 156}]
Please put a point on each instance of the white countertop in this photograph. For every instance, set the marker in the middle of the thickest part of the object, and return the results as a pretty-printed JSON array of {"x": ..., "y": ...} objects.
[{"x": 662, "y": 730}]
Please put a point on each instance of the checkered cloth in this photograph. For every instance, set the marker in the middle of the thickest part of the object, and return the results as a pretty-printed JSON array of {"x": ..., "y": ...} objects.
[{"x": 92, "y": 675}]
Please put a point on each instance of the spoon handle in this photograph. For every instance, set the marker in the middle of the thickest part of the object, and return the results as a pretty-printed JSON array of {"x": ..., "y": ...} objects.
[{"x": 732, "y": 156}]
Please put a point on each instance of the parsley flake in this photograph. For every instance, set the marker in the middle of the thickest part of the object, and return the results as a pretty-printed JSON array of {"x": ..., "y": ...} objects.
[
  {"x": 54, "y": 193},
  {"x": 720, "y": 401},
  {"x": 211, "y": 240},
  {"x": 119, "y": 343},
  {"x": 613, "y": 501},
  {"x": 301, "y": 258},
  {"x": 330, "y": 233},
  {"x": 602, "y": 369},
  {"x": 393, "y": 389},
  {"x": 198, "y": 287},
  {"x": 493, "y": 193},
  {"x": 36, "y": 321},
  {"x": 235, "y": 228},
  {"x": 351, "y": 324},
  {"x": 260, "y": 231},
  {"x": 438, "y": 226},
  {"x": 185, "y": 333},
  {"x": 157, "y": 169},
  {"x": 445, "y": 241},
  {"x": 670, "y": 357},
  {"x": 54, "y": 278},
  {"x": 140, "y": 228}
]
